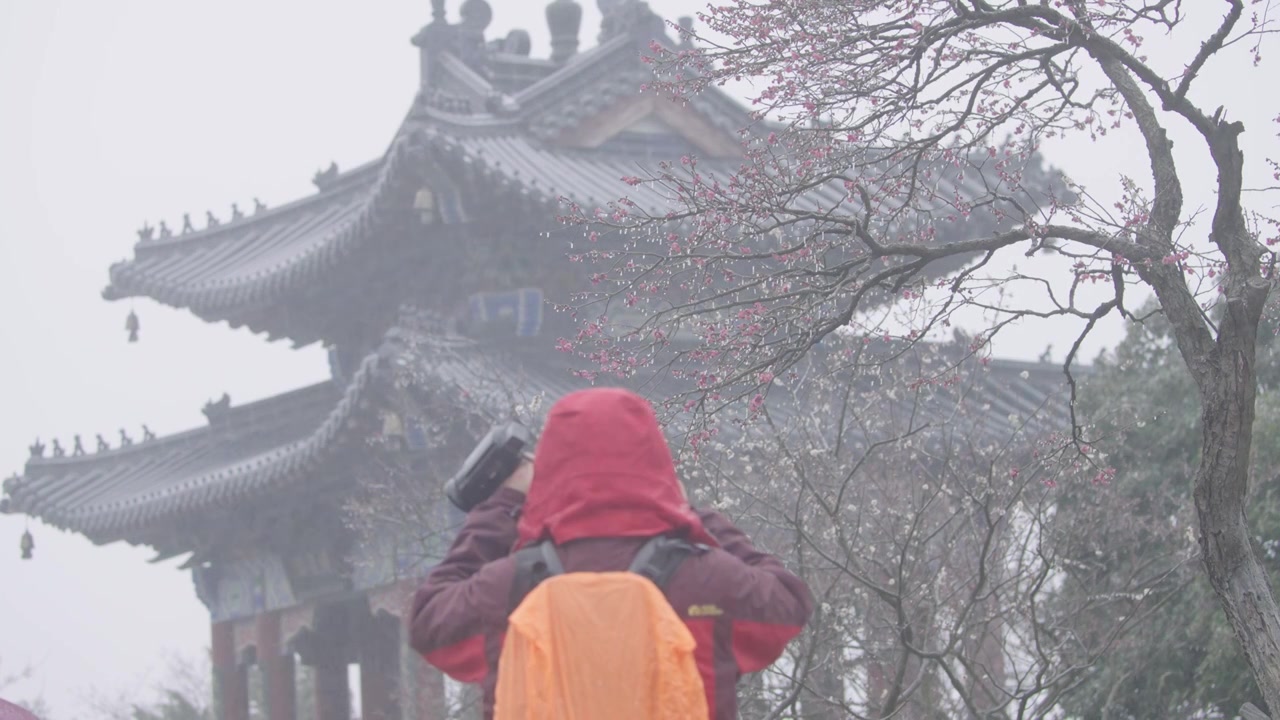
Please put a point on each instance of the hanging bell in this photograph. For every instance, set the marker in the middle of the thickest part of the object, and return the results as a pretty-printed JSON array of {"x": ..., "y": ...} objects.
[
  {"x": 132, "y": 326},
  {"x": 28, "y": 544}
]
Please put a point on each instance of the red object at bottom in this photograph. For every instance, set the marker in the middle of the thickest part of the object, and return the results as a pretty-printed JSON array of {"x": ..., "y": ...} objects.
[{"x": 9, "y": 711}]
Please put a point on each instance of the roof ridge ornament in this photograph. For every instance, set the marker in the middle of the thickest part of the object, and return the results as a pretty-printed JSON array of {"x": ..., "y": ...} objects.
[
  {"x": 629, "y": 17},
  {"x": 476, "y": 14},
  {"x": 465, "y": 39},
  {"x": 468, "y": 40},
  {"x": 323, "y": 179},
  {"x": 687, "y": 32},
  {"x": 517, "y": 42},
  {"x": 564, "y": 19},
  {"x": 215, "y": 410}
]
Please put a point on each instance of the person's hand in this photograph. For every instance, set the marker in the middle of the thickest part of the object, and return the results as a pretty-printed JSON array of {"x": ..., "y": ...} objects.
[{"x": 521, "y": 478}]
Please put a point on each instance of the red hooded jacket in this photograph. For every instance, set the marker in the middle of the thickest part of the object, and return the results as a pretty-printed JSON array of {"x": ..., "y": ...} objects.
[{"x": 604, "y": 482}]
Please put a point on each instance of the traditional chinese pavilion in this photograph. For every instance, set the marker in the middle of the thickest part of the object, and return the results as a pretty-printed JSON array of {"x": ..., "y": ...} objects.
[{"x": 423, "y": 274}]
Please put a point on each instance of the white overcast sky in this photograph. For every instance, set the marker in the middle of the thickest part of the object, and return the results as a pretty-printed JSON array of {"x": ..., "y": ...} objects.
[{"x": 115, "y": 113}]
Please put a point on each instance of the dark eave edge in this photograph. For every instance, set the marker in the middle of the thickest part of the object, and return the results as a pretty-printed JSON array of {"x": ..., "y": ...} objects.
[
  {"x": 109, "y": 522},
  {"x": 296, "y": 272}
]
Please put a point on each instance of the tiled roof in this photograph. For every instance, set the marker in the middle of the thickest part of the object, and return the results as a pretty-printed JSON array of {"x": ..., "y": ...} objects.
[
  {"x": 515, "y": 162},
  {"x": 270, "y": 445},
  {"x": 503, "y": 143},
  {"x": 489, "y": 376},
  {"x": 217, "y": 270},
  {"x": 996, "y": 401},
  {"x": 983, "y": 403},
  {"x": 601, "y": 76},
  {"x": 229, "y": 271},
  {"x": 508, "y": 160},
  {"x": 108, "y": 496},
  {"x": 220, "y": 272},
  {"x": 996, "y": 398},
  {"x": 251, "y": 450}
]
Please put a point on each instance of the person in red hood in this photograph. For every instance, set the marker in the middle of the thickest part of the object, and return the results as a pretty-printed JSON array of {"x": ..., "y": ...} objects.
[{"x": 605, "y": 483}]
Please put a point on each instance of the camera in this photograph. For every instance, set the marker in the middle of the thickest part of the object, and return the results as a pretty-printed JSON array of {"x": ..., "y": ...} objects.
[{"x": 489, "y": 464}]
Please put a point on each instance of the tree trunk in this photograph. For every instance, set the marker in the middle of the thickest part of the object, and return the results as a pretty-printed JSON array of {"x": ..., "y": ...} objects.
[{"x": 1228, "y": 392}]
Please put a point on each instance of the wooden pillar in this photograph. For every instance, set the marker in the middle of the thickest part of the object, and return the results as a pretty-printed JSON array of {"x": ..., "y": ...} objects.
[
  {"x": 333, "y": 691},
  {"x": 380, "y": 669},
  {"x": 328, "y": 650},
  {"x": 278, "y": 682},
  {"x": 230, "y": 676},
  {"x": 419, "y": 688}
]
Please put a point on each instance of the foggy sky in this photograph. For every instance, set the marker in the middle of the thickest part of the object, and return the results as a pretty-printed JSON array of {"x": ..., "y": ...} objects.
[{"x": 115, "y": 114}]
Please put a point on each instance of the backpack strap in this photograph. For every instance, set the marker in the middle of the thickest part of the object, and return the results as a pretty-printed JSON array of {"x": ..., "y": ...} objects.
[
  {"x": 660, "y": 556},
  {"x": 657, "y": 560},
  {"x": 534, "y": 564}
]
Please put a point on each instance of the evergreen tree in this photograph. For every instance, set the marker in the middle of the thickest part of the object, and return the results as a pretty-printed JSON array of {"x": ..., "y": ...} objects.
[{"x": 1186, "y": 662}]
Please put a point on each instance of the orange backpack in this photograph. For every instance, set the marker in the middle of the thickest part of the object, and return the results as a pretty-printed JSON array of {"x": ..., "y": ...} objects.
[{"x": 595, "y": 646}]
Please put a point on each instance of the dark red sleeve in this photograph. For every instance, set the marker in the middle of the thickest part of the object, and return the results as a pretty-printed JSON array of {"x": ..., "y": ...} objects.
[
  {"x": 770, "y": 605},
  {"x": 464, "y": 595}
]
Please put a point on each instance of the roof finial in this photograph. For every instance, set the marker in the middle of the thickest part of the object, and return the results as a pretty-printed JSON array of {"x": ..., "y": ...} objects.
[
  {"x": 437, "y": 11},
  {"x": 517, "y": 42},
  {"x": 634, "y": 17},
  {"x": 564, "y": 18},
  {"x": 476, "y": 14},
  {"x": 686, "y": 31}
]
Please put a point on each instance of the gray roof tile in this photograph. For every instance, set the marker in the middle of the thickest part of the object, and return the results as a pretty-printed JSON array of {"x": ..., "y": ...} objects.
[
  {"x": 259, "y": 257},
  {"x": 269, "y": 445},
  {"x": 256, "y": 447}
]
